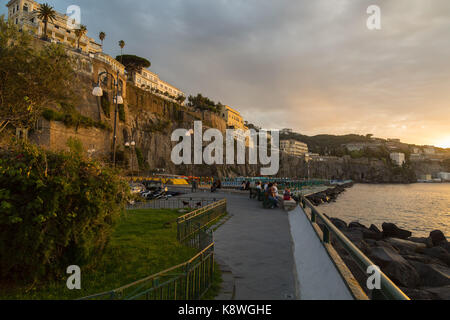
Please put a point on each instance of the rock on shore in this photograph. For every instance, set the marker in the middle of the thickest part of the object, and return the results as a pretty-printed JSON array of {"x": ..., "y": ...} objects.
[
  {"x": 419, "y": 266},
  {"x": 328, "y": 195}
]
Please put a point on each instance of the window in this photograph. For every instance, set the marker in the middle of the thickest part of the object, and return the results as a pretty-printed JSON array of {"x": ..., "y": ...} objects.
[
  {"x": 25, "y": 7},
  {"x": 14, "y": 10},
  {"x": 17, "y": 21}
]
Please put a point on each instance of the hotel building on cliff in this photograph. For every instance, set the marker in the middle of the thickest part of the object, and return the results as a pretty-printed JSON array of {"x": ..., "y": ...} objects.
[
  {"x": 24, "y": 14},
  {"x": 235, "y": 121},
  {"x": 150, "y": 81},
  {"x": 294, "y": 148}
]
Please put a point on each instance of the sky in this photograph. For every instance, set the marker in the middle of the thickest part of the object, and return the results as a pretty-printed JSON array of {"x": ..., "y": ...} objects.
[{"x": 309, "y": 65}]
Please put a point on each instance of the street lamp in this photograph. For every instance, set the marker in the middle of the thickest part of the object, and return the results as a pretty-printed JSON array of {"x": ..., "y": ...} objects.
[
  {"x": 131, "y": 144},
  {"x": 98, "y": 92}
]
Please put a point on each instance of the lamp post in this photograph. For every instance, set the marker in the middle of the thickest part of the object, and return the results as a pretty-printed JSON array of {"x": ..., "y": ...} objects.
[
  {"x": 98, "y": 92},
  {"x": 130, "y": 145}
]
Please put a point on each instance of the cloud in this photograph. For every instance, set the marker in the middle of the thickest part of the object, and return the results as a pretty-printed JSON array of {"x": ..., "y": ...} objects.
[{"x": 309, "y": 65}]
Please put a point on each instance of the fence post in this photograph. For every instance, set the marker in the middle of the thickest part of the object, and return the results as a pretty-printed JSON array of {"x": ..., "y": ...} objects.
[
  {"x": 188, "y": 271},
  {"x": 326, "y": 234}
]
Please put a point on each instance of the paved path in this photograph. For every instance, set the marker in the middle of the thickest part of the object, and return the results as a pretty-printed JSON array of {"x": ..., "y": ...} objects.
[{"x": 257, "y": 246}]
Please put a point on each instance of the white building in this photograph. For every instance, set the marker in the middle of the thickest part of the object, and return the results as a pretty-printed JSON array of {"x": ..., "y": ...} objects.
[
  {"x": 429, "y": 150},
  {"x": 398, "y": 158},
  {"x": 357, "y": 146},
  {"x": 445, "y": 176},
  {"x": 150, "y": 81},
  {"x": 294, "y": 147},
  {"x": 24, "y": 14}
]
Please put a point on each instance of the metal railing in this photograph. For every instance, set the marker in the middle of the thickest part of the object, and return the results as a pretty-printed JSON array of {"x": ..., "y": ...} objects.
[
  {"x": 172, "y": 203},
  {"x": 187, "y": 281},
  {"x": 196, "y": 220},
  {"x": 329, "y": 231}
]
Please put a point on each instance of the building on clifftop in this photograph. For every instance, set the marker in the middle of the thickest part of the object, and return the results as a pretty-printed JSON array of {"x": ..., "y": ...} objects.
[{"x": 24, "y": 14}]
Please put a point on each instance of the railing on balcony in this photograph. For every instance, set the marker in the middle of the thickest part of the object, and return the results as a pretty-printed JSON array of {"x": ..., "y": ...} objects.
[{"x": 328, "y": 231}]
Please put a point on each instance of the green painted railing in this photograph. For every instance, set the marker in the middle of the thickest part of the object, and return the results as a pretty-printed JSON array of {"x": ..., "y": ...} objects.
[
  {"x": 191, "y": 223},
  {"x": 388, "y": 291},
  {"x": 187, "y": 281}
]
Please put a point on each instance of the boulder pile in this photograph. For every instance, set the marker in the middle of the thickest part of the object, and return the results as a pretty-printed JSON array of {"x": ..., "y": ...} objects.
[
  {"x": 328, "y": 195},
  {"x": 419, "y": 266}
]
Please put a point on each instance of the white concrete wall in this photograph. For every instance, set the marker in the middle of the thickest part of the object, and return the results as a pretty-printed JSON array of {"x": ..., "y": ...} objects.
[{"x": 317, "y": 276}]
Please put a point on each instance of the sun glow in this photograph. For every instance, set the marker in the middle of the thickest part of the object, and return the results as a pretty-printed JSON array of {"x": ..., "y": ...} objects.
[{"x": 444, "y": 143}]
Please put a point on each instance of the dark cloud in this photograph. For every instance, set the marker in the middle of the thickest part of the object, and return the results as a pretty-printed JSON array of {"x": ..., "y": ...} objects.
[{"x": 310, "y": 65}]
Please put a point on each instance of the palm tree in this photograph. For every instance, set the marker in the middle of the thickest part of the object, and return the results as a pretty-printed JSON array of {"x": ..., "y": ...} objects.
[
  {"x": 80, "y": 32},
  {"x": 46, "y": 13},
  {"x": 102, "y": 36},
  {"x": 121, "y": 45}
]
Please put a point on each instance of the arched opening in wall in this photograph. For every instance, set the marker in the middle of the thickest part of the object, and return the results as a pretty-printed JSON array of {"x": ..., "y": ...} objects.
[{"x": 103, "y": 78}]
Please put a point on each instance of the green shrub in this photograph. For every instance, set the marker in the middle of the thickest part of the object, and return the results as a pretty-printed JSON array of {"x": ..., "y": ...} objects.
[
  {"x": 140, "y": 157},
  {"x": 56, "y": 210},
  {"x": 72, "y": 118},
  {"x": 106, "y": 105},
  {"x": 121, "y": 113}
]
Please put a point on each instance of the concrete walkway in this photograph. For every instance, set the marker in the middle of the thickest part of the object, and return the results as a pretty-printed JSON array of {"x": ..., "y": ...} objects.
[{"x": 257, "y": 246}]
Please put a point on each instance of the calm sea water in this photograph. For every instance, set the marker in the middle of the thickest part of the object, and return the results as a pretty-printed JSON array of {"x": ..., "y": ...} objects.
[{"x": 420, "y": 207}]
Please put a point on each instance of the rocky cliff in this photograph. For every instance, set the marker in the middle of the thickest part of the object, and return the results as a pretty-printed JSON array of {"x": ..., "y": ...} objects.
[{"x": 149, "y": 120}]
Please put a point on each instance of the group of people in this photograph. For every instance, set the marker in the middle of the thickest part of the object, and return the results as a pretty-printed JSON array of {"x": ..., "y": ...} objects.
[{"x": 271, "y": 192}]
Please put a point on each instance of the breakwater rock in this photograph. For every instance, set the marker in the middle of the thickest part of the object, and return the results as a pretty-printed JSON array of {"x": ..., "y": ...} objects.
[
  {"x": 419, "y": 266},
  {"x": 329, "y": 194}
]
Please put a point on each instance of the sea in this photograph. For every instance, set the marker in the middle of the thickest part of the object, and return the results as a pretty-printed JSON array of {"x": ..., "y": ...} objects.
[{"x": 419, "y": 208}]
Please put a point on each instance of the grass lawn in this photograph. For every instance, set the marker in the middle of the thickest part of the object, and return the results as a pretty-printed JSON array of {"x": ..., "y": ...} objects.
[{"x": 141, "y": 245}]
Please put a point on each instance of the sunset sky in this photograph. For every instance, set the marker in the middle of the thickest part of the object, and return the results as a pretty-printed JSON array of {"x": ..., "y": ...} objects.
[{"x": 310, "y": 65}]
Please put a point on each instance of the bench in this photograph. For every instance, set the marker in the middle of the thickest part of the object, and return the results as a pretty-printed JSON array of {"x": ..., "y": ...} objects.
[{"x": 289, "y": 205}]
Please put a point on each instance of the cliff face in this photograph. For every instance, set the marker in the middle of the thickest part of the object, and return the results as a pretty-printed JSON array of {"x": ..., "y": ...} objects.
[{"x": 149, "y": 120}]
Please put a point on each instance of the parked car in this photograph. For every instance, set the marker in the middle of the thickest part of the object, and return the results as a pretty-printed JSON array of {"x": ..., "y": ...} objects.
[{"x": 137, "y": 188}]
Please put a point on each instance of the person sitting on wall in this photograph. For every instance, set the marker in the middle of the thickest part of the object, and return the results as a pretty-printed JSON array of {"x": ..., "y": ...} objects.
[
  {"x": 287, "y": 194},
  {"x": 273, "y": 197}
]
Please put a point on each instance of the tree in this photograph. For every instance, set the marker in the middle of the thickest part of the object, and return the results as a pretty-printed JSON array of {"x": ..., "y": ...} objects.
[
  {"x": 46, "y": 13},
  {"x": 133, "y": 63},
  {"x": 121, "y": 45},
  {"x": 204, "y": 103},
  {"x": 180, "y": 99},
  {"x": 30, "y": 79},
  {"x": 102, "y": 36},
  {"x": 57, "y": 209},
  {"x": 79, "y": 33}
]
